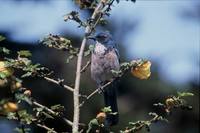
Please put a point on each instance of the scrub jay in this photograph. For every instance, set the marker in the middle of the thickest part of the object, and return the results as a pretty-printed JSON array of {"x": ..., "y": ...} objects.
[{"x": 105, "y": 57}]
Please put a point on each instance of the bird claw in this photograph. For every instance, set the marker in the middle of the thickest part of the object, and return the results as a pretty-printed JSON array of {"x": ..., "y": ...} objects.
[{"x": 100, "y": 90}]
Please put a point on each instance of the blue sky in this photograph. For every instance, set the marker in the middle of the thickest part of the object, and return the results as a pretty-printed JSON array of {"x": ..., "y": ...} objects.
[{"x": 162, "y": 35}]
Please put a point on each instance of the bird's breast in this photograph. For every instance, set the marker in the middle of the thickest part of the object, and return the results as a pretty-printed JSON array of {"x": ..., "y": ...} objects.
[
  {"x": 103, "y": 61},
  {"x": 100, "y": 49}
]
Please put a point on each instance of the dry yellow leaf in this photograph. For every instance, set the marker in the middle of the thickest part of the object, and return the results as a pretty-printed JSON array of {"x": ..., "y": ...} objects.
[{"x": 142, "y": 71}]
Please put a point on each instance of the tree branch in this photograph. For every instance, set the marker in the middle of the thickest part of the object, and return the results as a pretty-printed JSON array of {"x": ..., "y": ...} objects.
[
  {"x": 59, "y": 83},
  {"x": 85, "y": 67},
  {"x": 52, "y": 112},
  {"x": 95, "y": 91},
  {"x": 50, "y": 130},
  {"x": 78, "y": 68},
  {"x": 141, "y": 124}
]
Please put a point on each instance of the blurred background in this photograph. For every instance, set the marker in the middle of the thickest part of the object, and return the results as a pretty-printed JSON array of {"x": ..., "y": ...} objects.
[{"x": 165, "y": 32}]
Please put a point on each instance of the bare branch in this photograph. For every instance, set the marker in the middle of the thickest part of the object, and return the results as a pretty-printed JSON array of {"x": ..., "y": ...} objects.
[
  {"x": 59, "y": 83},
  {"x": 52, "y": 112},
  {"x": 51, "y": 130},
  {"x": 95, "y": 91},
  {"x": 86, "y": 66},
  {"x": 78, "y": 68}
]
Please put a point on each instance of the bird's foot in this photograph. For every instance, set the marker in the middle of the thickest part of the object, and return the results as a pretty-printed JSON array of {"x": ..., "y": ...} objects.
[{"x": 100, "y": 90}]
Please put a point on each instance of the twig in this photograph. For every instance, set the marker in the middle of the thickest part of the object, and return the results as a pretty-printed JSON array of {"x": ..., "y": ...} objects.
[
  {"x": 59, "y": 83},
  {"x": 95, "y": 91},
  {"x": 18, "y": 116},
  {"x": 140, "y": 124},
  {"x": 98, "y": 19},
  {"x": 85, "y": 67},
  {"x": 51, "y": 130},
  {"x": 52, "y": 112},
  {"x": 19, "y": 119},
  {"x": 78, "y": 69}
]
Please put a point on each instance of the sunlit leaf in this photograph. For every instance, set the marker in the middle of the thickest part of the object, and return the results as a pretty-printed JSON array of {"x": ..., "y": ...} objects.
[
  {"x": 93, "y": 126},
  {"x": 2, "y": 75},
  {"x": 22, "y": 97},
  {"x": 86, "y": 53},
  {"x": 106, "y": 109},
  {"x": 28, "y": 74},
  {"x": 69, "y": 58},
  {"x": 2, "y": 38},
  {"x": 184, "y": 94},
  {"x": 4, "y": 50},
  {"x": 5, "y": 71},
  {"x": 24, "y": 53},
  {"x": 26, "y": 117}
]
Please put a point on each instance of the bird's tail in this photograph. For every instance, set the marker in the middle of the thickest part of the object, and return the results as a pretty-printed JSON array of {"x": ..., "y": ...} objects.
[{"x": 110, "y": 99}]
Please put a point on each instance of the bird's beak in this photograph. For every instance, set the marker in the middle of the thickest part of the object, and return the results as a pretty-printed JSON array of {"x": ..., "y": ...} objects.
[{"x": 92, "y": 38}]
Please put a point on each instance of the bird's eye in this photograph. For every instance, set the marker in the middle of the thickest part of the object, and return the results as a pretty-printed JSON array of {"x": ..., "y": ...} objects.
[
  {"x": 102, "y": 36},
  {"x": 105, "y": 36}
]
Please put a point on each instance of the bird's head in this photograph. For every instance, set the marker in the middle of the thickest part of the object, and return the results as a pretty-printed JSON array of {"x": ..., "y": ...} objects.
[{"x": 104, "y": 38}]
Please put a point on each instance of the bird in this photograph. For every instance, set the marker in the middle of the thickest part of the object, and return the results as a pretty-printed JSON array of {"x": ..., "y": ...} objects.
[{"x": 104, "y": 59}]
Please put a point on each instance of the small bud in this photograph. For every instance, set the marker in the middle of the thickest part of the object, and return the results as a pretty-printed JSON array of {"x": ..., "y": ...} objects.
[
  {"x": 27, "y": 92},
  {"x": 15, "y": 85},
  {"x": 10, "y": 107},
  {"x": 7, "y": 71},
  {"x": 4, "y": 82},
  {"x": 101, "y": 117},
  {"x": 189, "y": 107},
  {"x": 126, "y": 131},
  {"x": 18, "y": 85},
  {"x": 50, "y": 45},
  {"x": 62, "y": 39},
  {"x": 170, "y": 102}
]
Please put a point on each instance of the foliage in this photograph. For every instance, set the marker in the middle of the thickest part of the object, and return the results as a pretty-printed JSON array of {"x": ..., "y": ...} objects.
[
  {"x": 4, "y": 50},
  {"x": 21, "y": 106},
  {"x": 2, "y": 38},
  {"x": 136, "y": 126}
]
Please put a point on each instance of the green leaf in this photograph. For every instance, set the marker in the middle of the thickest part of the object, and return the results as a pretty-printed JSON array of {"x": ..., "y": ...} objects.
[
  {"x": 91, "y": 47},
  {"x": 2, "y": 75},
  {"x": 106, "y": 109},
  {"x": 28, "y": 74},
  {"x": 11, "y": 116},
  {"x": 57, "y": 42},
  {"x": 24, "y": 53},
  {"x": 116, "y": 73},
  {"x": 2, "y": 38},
  {"x": 86, "y": 53},
  {"x": 184, "y": 94},
  {"x": 4, "y": 50},
  {"x": 93, "y": 126},
  {"x": 22, "y": 97},
  {"x": 103, "y": 21},
  {"x": 57, "y": 107},
  {"x": 69, "y": 58},
  {"x": 39, "y": 109},
  {"x": 26, "y": 117}
]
